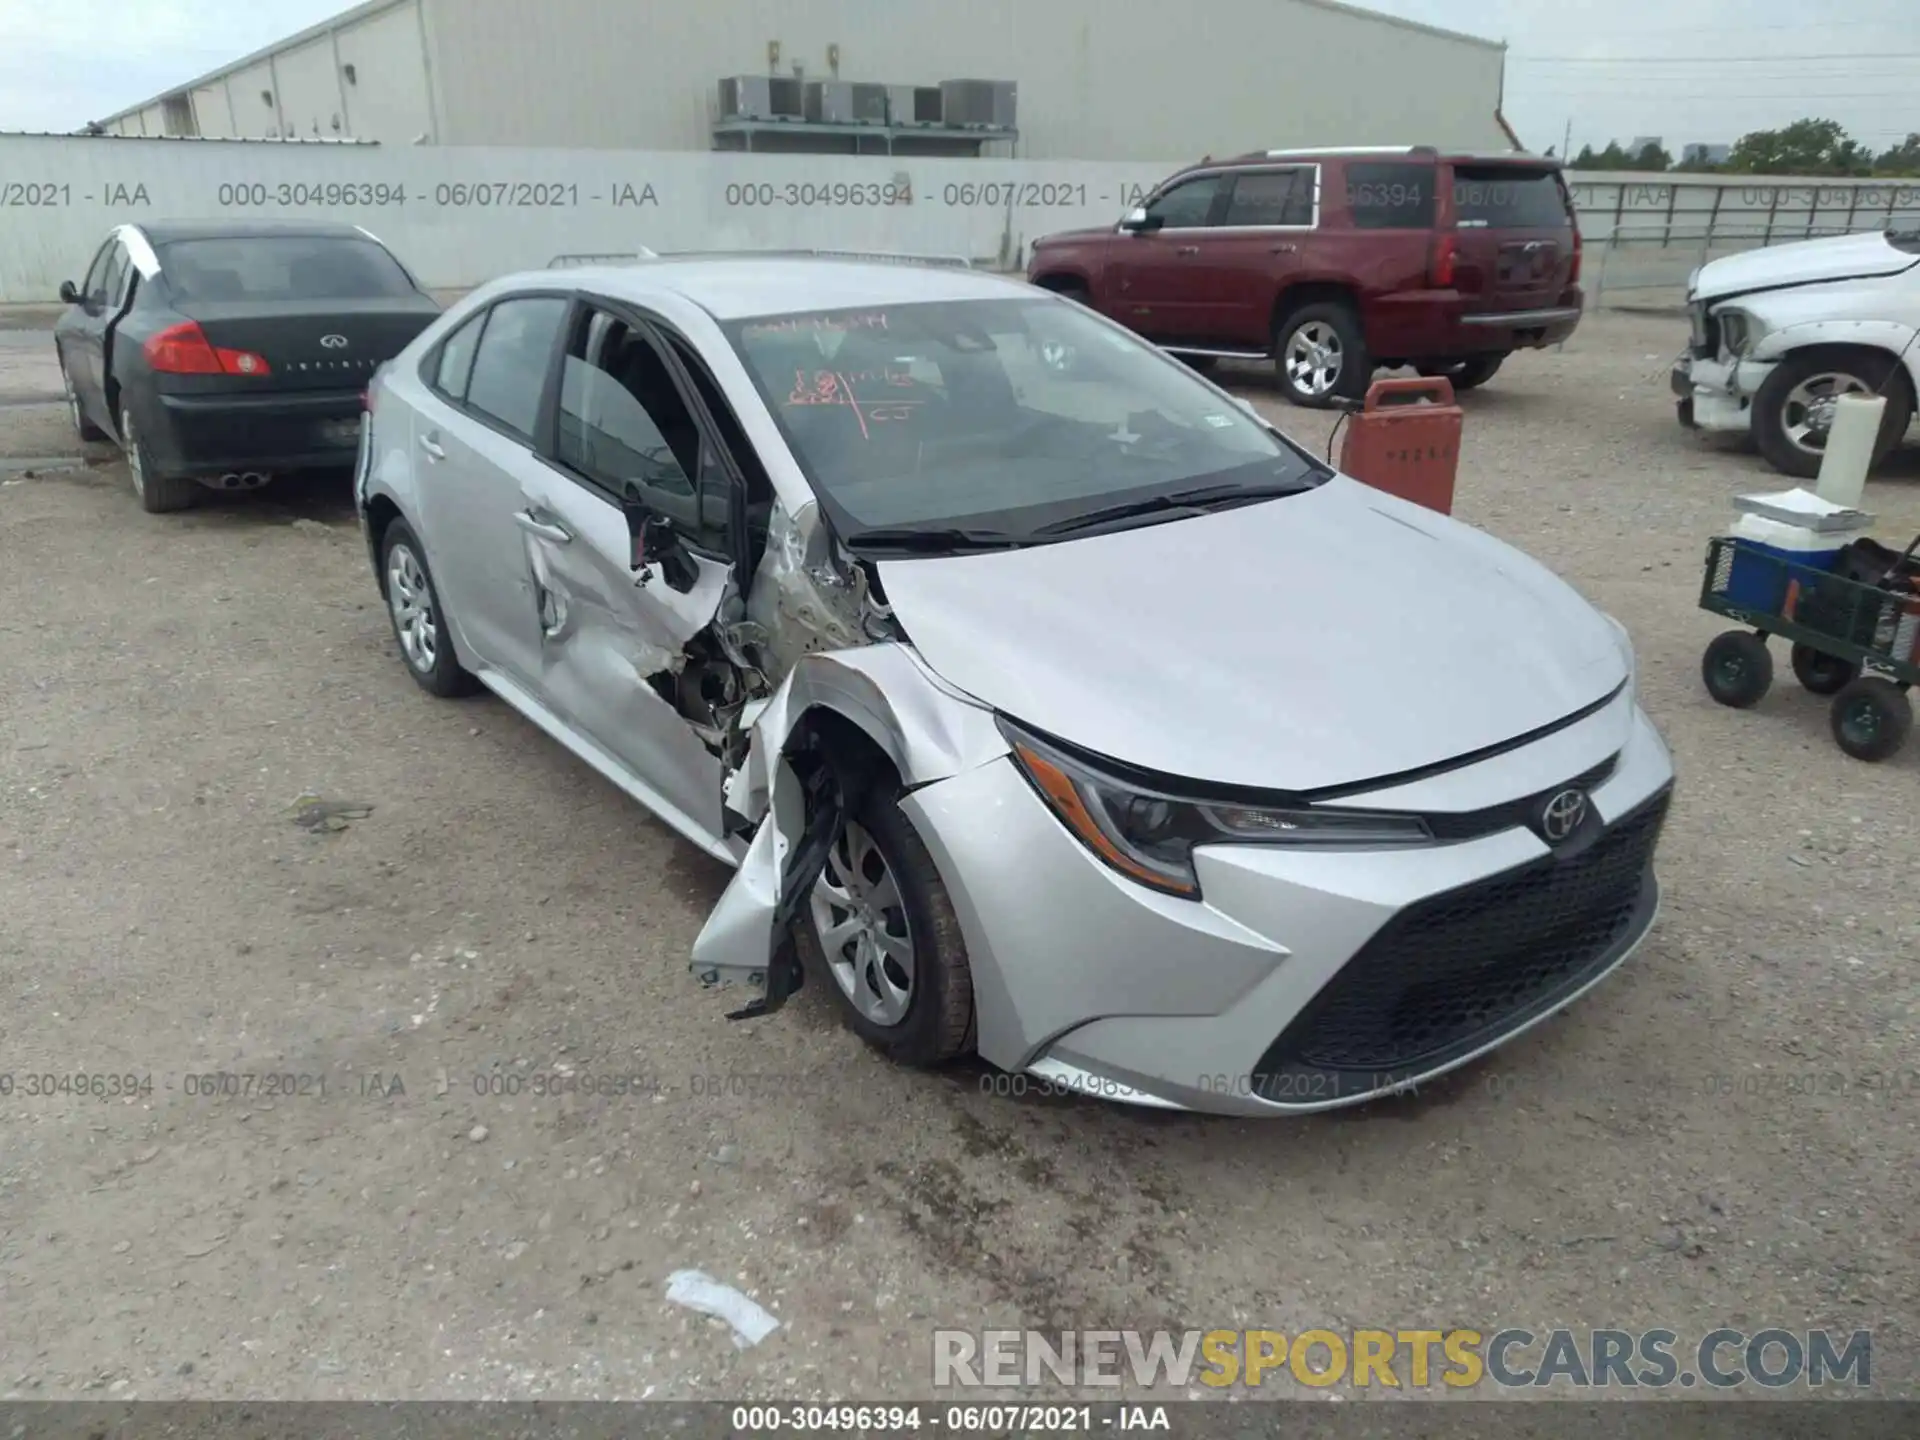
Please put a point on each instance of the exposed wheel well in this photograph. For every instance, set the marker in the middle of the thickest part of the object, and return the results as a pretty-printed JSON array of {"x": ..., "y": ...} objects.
[
  {"x": 381, "y": 512},
  {"x": 1062, "y": 284},
  {"x": 851, "y": 747},
  {"x": 1296, "y": 298}
]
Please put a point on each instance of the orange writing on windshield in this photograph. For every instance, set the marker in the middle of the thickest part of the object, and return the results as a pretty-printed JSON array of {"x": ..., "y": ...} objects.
[{"x": 831, "y": 387}]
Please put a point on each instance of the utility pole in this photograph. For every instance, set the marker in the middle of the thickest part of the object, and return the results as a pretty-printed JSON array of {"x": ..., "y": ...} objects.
[{"x": 1566, "y": 144}]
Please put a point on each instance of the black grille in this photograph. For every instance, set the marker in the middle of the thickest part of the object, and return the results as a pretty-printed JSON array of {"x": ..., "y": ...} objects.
[
  {"x": 1454, "y": 972},
  {"x": 1472, "y": 824}
]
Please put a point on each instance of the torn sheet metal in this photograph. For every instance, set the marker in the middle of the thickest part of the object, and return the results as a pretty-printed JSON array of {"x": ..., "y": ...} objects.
[
  {"x": 927, "y": 729},
  {"x": 800, "y": 600}
]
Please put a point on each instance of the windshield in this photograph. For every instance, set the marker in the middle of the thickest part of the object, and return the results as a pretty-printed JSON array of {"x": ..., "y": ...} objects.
[
  {"x": 999, "y": 415},
  {"x": 283, "y": 267}
]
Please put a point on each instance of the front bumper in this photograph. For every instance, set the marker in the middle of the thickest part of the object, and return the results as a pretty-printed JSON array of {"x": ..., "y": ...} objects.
[
  {"x": 216, "y": 434},
  {"x": 1716, "y": 394},
  {"x": 1303, "y": 980}
]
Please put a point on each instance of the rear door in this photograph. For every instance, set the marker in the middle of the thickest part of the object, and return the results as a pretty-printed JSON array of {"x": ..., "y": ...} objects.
[
  {"x": 1513, "y": 227},
  {"x": 474, "y": 438},
  {"x": 1253, "y": 251},
  {"x": 323, "y": 311},
  {"x": 1159, "y": 285}
]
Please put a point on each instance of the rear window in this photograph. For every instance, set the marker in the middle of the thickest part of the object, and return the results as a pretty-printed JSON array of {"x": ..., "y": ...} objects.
[
  {"x": 1505, "y": 197},
  {"x": 1390, "y": 197},
  {"x": 282, "y": 267}
]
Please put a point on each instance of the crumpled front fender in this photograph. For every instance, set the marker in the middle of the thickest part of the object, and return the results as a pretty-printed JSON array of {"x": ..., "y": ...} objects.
[{"x": 797, "y": 781}]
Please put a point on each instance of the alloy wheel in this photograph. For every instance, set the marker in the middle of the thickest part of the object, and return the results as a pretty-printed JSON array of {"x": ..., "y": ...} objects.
[
  {"x": 1314, "y": 358},
  {"x": 1806, "y": 415},
  {"x": 863, "y": 928},
  {"x": 410, "y": 597}
]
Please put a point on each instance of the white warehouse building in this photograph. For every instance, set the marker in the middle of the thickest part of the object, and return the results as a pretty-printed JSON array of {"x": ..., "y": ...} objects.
[{"x": 1051, "y": 79}]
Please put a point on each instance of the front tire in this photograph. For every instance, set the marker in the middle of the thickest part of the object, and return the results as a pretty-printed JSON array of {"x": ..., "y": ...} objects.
[
  {"x": 1468, "y": 374},
  {"x": 1320, "y": 356},
  {"x": 159, "y": 494},
  {"x": 1737, "y": 669},
  {"x": 1793, "y": 411},
  {"x": 419, "y": 624},
  {"x": 880, "y": 936}
]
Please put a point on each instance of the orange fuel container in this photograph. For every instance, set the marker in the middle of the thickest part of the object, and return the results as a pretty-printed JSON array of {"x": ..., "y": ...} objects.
[{"x": 1406, "y": 441}]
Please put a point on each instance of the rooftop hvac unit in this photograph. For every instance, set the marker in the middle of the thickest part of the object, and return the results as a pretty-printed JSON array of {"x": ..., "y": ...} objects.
[
  {"x": 913, "y": 104},
  {"x": 977, "y": 104},
  {"x": 761, "y": 97},
  {"x": 842, "y": 102}
]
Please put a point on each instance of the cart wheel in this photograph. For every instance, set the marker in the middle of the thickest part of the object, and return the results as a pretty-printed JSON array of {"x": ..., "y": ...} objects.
[
  {"x": 1871, "y": 718},
  {"x": 1821, "y": 673},
  {"x": 1738, "y": 668}
]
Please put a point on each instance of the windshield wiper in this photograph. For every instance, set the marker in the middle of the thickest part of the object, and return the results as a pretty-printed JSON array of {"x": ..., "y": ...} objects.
[
  {"x": 932, "y": 538},
  {"x": 1196, "y": 501}
]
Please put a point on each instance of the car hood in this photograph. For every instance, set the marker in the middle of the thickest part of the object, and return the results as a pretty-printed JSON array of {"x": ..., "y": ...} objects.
[
  {"x": 1808, "y": 262},
  {"x": 1319, "y": 640}
]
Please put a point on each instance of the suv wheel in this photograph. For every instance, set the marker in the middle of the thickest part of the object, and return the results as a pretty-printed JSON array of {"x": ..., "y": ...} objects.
[
  {"x": 1793, "y": 412},
  {"x": 1321, "y": 356},
  {"x": 1467, "y": 374}
]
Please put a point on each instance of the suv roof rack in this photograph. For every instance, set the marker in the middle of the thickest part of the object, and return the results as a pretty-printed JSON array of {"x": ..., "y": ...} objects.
[
  {"x": 1340, "y": 150},
  {"x": 622, "y": 257}
]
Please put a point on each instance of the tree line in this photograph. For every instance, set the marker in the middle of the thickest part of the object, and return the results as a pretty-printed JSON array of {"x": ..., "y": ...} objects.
[{"x": 1806, "y": 147}]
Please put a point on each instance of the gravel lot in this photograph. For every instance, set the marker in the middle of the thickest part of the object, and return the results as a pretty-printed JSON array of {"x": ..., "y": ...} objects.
[{"x": 169, "y": 686}]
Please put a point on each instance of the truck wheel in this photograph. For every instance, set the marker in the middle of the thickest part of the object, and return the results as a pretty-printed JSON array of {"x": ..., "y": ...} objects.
[
  {"x": 1737, "y": 669},
  {"x": 1820, "y": 673},
  {"x": 1320, "y": 355},
  {"x": 1794, "y": 410},
  {"x": 1871, "y": 718},
  {"x": 1468, "y": 374}
]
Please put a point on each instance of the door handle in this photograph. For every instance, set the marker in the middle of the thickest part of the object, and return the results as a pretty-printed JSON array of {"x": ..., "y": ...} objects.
[
  {"x": 432, "y": 447},
  {"x": 545, "y": 529},
  {"x": 1285, "y": 249},
  {"x": 1188, "y": 250}
]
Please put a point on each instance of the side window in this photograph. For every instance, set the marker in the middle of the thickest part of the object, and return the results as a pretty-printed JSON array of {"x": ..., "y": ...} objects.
[
  {"x": 94, "y": 288},
  {"x": 114, "y": 286},
  {"x": 455, "y": 361},
  {"x": 510, "y": 366},
  {"x": 624, "y": 425},
  {"x": 1187, "y": 205},
  {"x": 1391, "y": 197},
  {"x": 1272, "y": 197}
]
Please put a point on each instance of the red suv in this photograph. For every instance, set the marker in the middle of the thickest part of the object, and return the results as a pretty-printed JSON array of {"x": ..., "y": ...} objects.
[{"x": 1332, "y": 263}]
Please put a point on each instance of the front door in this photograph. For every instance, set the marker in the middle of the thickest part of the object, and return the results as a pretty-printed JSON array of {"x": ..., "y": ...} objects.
[
  {"x": 613, "y": 639},
  {"x": 81, "y": 335},
  {"x": 1159, "y": 286}
]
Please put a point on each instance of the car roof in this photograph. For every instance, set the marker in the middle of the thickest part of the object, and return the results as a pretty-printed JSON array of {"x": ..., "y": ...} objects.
[
  {"x": 166, "y": 232},
  {"x": 736, "y": 287},
  {"x": 1380, "y": 152}
]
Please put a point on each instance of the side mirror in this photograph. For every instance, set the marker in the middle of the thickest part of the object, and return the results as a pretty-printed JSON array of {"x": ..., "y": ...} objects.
[
  {"x": 1139, "y": 222},
  {"x": 69, "y": 293},
  {"x": 653, "y": 542}
]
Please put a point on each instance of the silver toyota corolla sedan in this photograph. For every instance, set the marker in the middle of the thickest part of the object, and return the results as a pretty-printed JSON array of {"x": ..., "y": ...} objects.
[{"x": 1049, "y": 703}]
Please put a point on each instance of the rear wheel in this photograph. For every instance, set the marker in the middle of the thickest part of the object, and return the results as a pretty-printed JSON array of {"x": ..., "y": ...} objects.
[
  {"x": 1468, "y": 374},
  {"x": 1871, "y": 718},
  {"x": 1820, "y": 673},
  {"x": 1320, "y": 355},
  {"x": 1737, "y": 669},
  {"x": 158, "y": 493},
  {"x": 419, "y": 624},
  {"x": 880, "y": 932},
  {"x": 1793, "y": 411}
]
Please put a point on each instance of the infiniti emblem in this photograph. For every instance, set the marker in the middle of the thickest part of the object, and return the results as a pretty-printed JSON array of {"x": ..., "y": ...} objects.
[
  {"x": 334, "y": 342},
  {"x": 1562, "y": 815}
]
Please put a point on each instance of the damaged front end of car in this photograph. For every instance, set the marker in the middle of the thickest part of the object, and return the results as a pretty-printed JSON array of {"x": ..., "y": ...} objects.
[{"x": 810, "y": 693}]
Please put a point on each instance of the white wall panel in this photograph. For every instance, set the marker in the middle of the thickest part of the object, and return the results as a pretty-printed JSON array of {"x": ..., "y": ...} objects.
[
  {"x": 387, "y": 99},
  {"x": 310, "y": 101}
]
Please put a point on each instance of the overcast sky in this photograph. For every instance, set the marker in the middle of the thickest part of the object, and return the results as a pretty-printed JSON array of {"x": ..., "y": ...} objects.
[{"x": 1615, "y": 69}]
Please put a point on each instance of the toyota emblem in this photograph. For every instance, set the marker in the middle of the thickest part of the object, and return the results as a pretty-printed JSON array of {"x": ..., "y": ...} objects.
[
  {"x": 334, "y": 342},
  {"x": 1561, "y": 815}
]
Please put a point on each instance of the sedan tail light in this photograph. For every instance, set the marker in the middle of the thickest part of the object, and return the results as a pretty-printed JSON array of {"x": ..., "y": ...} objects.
[{"x": 185, "y": 350}]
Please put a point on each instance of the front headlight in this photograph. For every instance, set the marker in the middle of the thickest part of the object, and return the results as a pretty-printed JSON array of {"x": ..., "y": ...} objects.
[{"x": 1149, "y": 835}]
